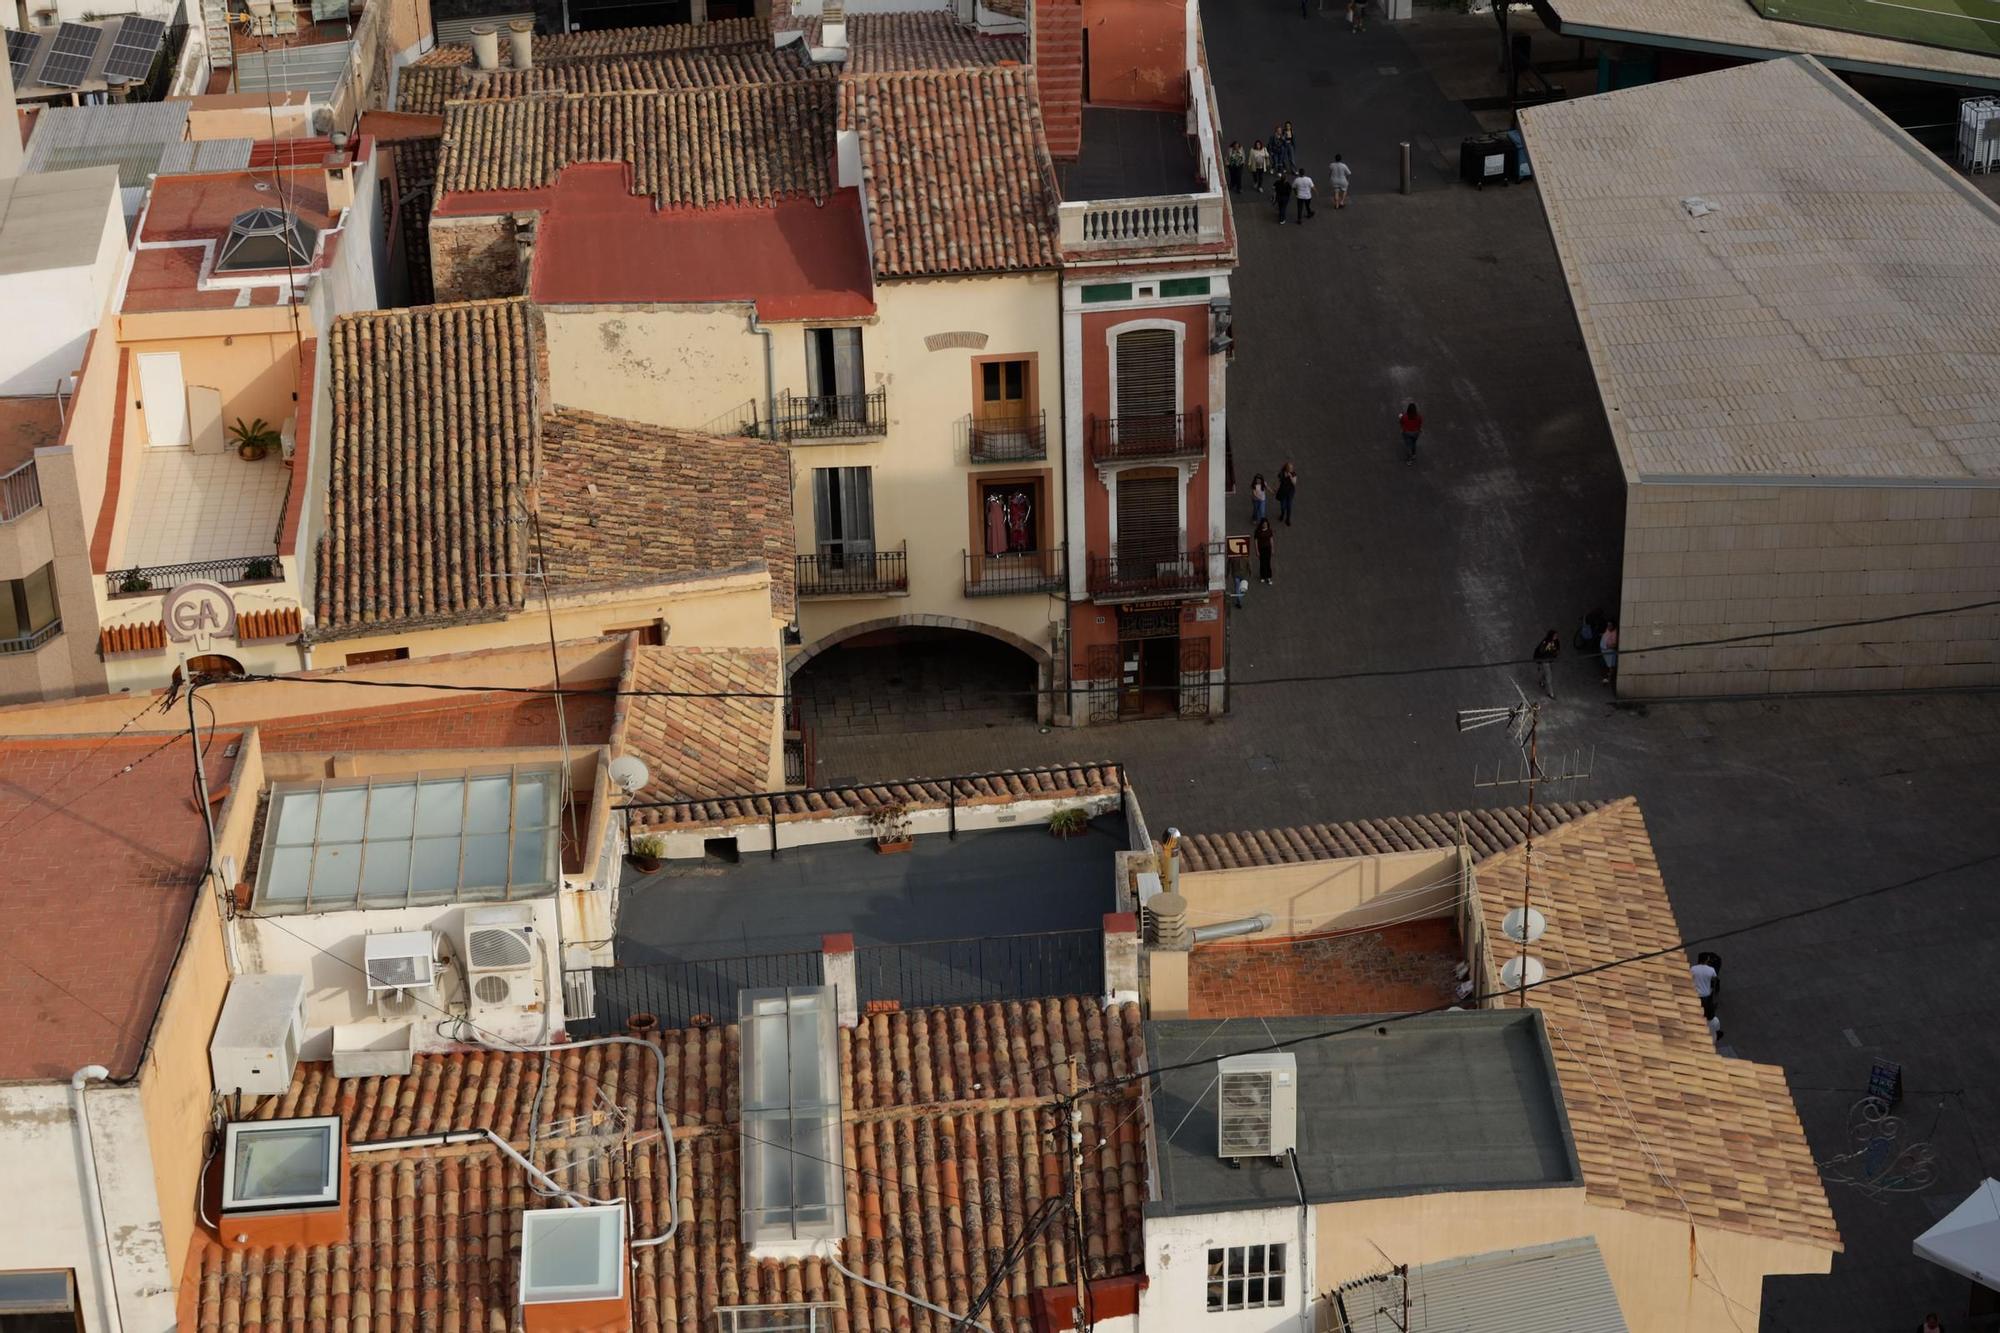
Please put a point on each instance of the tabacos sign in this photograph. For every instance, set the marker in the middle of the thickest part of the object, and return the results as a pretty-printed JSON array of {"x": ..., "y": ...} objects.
[{"x": 199, "y": 612}]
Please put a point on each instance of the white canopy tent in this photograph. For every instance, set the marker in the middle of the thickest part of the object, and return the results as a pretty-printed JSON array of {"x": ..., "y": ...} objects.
[{"x": 1967, "y": 1241}]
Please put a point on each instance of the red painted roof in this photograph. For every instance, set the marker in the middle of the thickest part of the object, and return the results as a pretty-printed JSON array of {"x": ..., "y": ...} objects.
[
  {"x": 103, "y": 847},
  {"x": 200, "y": 208},
  {"x": 796, "y": 259}
]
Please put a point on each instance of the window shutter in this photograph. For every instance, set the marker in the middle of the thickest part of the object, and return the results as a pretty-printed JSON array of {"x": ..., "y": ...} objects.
[
  {"x": 823, "y": 513},
  {"x": 1149, "y": 521},
  {"x": 1146, "y": 374},
  {"x": 847, "y": 377},
  {"x": 857, "y": 498}
]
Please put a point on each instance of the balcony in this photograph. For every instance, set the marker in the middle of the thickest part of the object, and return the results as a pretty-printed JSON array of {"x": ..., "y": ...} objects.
[
  {"x": 1015, "y": 572},
  {"x": 27, "y": 643},
  {"x": 151, "y": 580},
  {"x": 1128, "y": 439},
  {"x": 20, "y": 492},
  {"x": 832, "y": 416},
  {"x": 1144, "y": 180},
  {"x": 1022, "y": 439},
  {"x": 853, "y": 573},
  {"x": 1152, "y": 573}
]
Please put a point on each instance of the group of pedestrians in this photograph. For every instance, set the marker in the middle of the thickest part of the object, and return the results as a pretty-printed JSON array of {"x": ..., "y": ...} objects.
[
  {"x": 1261, "y": 530},
  {"x": 1597, "y": 634},
  {"x": 1293, "y": 188}
]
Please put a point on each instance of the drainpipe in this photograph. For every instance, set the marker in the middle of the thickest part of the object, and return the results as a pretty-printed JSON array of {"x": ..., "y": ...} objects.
[
  {"x": 770, "y": 373},
  {"x": 1229, "y": 930},
  {"x": 100, "y": 1253},
  {"x": 1302, "y": 1282}
]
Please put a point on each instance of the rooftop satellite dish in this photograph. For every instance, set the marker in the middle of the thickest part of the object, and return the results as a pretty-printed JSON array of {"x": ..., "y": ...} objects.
[
  {"x": 1512, "y": 925},
  {"x": 1510, "y": 975},
  {"x": 629, "y": 772}
]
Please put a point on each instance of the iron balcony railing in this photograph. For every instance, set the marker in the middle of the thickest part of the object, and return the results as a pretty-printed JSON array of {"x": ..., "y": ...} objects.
[
  {"x": 832, "y": 416},
  {"x": 1166, "y": 435},
  {"x": 1021, "y": 439},
  {"x": 1014, "y": 572},
  {"x": 20, "y": 492},
  {"x": 27, "y": 643},
  {"x": 837, "y": 573},
  {"x": 141, "y": 580},
  {"x": 1154, "y": 573}
]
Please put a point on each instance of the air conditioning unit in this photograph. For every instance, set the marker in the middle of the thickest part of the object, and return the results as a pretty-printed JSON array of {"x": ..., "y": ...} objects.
[
  {"x": 257, "y": 1038},
  {"x": 500, "y": 956},
  {"x": 398, "y": 962},
  {"x": 1257, "y": 1104}
]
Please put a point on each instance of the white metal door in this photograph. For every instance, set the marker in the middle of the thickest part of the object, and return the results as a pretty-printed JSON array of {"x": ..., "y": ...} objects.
[{"x": 164, "y": 396}]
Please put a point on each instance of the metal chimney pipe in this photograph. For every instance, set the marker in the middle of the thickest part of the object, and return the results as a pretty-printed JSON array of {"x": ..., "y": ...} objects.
[
  {"x": 1229, "y": 930},
  {"x": 521, "y": 42},
  {"x": 485, "y": 46}
]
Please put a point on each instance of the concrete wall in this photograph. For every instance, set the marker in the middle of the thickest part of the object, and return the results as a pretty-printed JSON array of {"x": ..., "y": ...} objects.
[
  {"x": 753, "y": 835},
  {"x": 52, "y": 311},
  {"x": 682, "y": 366},
  {"x": 245, "y": 115},
  {"x": 1176, "y": 1294},
  {"x": 1138, "y": 53},
  {"x": 253, "y": 365},
  {"x": 474, "y": 258},
  {"x": 1327, "y": 895},
  {"x": 49, "y": 1223},
  {"x": 1707, "y": 562}
]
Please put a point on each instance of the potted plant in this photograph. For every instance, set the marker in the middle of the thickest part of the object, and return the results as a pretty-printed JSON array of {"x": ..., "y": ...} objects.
[
  {"x": 259, "y": 569},
  {"x": 255, "y": 438},
  {"x": 648, "y": 850},
  {"x": 1069, "y": 822},
  {"x": 134, "y": 581},
  {"x": 892, "y": 827}
]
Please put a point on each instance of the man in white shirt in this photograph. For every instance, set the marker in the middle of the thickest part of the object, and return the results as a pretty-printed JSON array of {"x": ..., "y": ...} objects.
[
  {"x": 1704, "y": 985},
  {"x": 1302, "y": 190},
  {"x": 1337, "y": 177}
]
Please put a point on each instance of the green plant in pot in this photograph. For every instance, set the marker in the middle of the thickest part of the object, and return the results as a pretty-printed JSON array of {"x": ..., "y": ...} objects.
[
  {"x": 1069, "y": 822},
  {"x": 133, "y": 581},
  {"x": 891, "y": 826},
  {"x": 255, "y": 438},
  {"x": 648, "y": 851},
  {"x": 263, "y": 567}
]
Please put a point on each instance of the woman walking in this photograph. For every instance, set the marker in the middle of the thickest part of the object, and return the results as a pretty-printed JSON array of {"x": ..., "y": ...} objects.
[
  {"x": 1258, "y": 498},
  {"x": 1607, "y": 649},
  {"x": 1288, "y": 486},
  {"x": 1263, "y": 535},
  {"x": 1260, "y": 162},
  {"x": 1234, "y": 160},
  {"x": 1411, "y": 423}
]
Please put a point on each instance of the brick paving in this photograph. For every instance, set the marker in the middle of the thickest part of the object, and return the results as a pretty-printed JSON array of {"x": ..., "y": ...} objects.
[{"x": 1396, "y": 968}]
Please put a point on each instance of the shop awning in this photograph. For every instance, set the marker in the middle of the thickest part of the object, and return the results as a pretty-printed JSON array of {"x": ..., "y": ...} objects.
[{"x": 1968, "y": 1240}]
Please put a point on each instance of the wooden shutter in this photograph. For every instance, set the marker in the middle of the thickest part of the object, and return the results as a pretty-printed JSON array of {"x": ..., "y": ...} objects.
[
  {"x": 1149, "y": 522},
  {"x": 857, "y": 508},
  {"x": 1146, "y": 374},
  {"x": 848, "y": 380}
]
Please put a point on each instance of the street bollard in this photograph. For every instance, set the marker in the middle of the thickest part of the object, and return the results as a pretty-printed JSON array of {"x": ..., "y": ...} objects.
[{"x": 1406, "y": 167}]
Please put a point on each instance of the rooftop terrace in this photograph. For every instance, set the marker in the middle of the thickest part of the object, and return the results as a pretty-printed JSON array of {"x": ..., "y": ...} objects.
[{"x": 1128, "y": 154}]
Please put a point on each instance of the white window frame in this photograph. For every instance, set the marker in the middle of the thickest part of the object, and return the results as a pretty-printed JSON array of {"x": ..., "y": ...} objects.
[
  {"x": 236, "y": 1129},
  {"x": 1235, "y": 1269},
  {"x": 535, "y": 1219}
]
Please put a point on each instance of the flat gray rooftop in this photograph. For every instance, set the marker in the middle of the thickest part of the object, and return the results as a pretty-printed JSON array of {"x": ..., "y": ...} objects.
[
  {"x": 54, "y": 219},
  {"x": 996, "y": 882},
  {"x": 1130, "y": 155},
  {"x": 1447, "y": 1102}
]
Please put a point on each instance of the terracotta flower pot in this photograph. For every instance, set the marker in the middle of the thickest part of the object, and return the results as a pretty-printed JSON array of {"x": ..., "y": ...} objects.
[{"x": 640, "y": 1025}]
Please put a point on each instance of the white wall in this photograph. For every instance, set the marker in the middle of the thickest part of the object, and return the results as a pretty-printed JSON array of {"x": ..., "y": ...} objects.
[
  {"x": 326, "y": 949},
  {"x": 48, "y": 1223},
  {"x": 52, "y": 312},
  {"x": 1176, "y": 1296}
]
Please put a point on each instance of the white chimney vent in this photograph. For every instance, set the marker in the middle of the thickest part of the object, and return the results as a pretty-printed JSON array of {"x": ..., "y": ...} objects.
[{"x": 1257, "y": 1104}]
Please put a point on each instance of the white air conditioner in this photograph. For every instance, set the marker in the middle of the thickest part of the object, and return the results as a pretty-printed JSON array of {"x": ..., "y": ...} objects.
[
  {"x": 397, "y": 963},
  {"x": 500, "y": 957},
  {"x": 1257, "y": 1104},
  {"x": 258, "y": 1035}
]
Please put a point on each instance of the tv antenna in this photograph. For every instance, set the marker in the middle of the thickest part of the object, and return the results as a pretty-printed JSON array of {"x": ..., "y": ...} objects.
[{"x": 1523, "y": 720}]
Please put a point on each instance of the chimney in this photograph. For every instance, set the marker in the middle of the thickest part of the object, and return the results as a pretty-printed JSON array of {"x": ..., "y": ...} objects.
[
  {"x": 1056, "y": 37},
  {"x": 339, "y": 166},
  {"x": 521, "y": 42},
  {"x": 485, "y": 46}
]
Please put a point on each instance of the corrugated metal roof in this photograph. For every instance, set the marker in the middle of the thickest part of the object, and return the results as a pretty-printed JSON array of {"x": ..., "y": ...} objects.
[
  {"x": 458, "y": 32},
  {"x": 207, "y": 155},
  {"x": 130, "y": 136},
  {"x": 314, "y": 70},
  {"x": 1559, "y": 1288}
]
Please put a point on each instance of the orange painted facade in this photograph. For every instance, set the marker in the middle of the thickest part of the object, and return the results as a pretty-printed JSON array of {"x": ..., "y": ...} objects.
[{"x": 612, "y": 1316}]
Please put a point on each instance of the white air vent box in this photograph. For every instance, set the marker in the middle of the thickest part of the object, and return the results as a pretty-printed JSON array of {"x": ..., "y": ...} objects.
[
  {"x": 399, "y": 960},
  {"x": 364, "y": 1050},
  {"x": 500, "y": 956},
  {"x": 257, "y": 1038},
  {"x": 1257, "y": 1104}
]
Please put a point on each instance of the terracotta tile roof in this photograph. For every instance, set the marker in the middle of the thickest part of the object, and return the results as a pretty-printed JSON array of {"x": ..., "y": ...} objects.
[
  {"x": 1634, "y": 1053},
  {"x": 655, "y": 70},
  {"x": 885, "y": 43},
  {"x": 1069, "y": 780},
  {"x": 619, "y": 41},
  {"x": 145, "y": 636},
  {"x": 947, "y": 1116},
  {"x": 423, "y": 88},
  {"x": 693, "y": 148},
  {"x": 956, "y": 170},
  {"x": 624, "y": 503},
  {"x": 1486, "y": 832},
  {"x": 255, "y": 626},
  {"x": 435, "y": 435},
  {"x": 702, "y": 747}
]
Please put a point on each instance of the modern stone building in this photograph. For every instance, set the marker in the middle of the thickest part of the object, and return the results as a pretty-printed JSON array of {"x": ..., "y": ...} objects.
[{"x": 1799, "y": 358}]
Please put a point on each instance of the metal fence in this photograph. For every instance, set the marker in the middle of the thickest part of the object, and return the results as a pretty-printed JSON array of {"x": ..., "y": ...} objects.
[
  {"x": 847, "y": 573},
  {"x": 20, "y": 492},
  {"x": 677, "y": 992},
  {"x": 832, "y": 416},
  {"x": 982, "y": 968},
  {"x": 142, "y": 579}
]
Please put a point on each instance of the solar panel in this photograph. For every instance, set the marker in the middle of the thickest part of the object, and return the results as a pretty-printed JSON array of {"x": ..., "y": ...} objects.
[
  {"x": 75, "y": 44},
  {"x": 132, "y": 55},
  {"x": 21, "y": 51}
]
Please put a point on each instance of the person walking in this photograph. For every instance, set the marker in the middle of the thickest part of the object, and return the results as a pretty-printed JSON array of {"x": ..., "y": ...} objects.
[
  {"x": 1705, "y": 979},
  {"x": 1588, "y": 633},
  {"x": 1338, "y": 175},
  {"x": 1263, "y": 535},
  {"x": 1234, "y": 160},
  {"x": 1284, "y": 192},
  {"x": 1302, "y": 190},
  {"x": 1258, "y": 497},
  {"x": 1287, "y": 147},
  {"x": 1411, "y": 423},
  {"x": 1546, "y": 653},
  {"x": 1288, "y": 486},
  {"x": 1353, "y": 16},
  {"x": 1260, "y": 162},
  {"x": 1607, "y": 649}
]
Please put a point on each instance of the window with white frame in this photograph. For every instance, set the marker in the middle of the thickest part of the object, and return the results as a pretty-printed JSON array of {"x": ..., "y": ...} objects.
[
  {"x": 1246, "y": 1277},
  {"x": 39, "y": 1301}
]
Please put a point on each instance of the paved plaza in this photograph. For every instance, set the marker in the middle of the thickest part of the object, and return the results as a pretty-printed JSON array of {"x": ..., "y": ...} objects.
[{"x": 1510, "y": 523}]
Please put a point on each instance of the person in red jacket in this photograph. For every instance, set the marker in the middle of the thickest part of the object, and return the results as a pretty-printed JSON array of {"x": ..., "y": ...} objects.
[{"x": 1412, "y": 425}]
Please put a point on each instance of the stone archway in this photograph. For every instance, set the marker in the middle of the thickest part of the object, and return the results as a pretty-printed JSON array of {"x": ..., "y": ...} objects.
[{"x": 919, "y": 673}]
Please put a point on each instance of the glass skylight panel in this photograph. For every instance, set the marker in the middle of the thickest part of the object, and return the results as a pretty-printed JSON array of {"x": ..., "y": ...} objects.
[
  {"x": 277, "y": 1165},
  {"x": 572, "y": 1254},
  {"x": 792, "y": 1147},
  {"x": 483, "y": 836}
]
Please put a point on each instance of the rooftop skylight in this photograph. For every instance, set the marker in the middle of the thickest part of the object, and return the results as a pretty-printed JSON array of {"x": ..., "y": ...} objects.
[
  {"x": 792, "y": 1189},
  {"x": 572, "y": 1254},
  {"x": 281, "y": 1165},
  {"x": 266, "y": 238}
]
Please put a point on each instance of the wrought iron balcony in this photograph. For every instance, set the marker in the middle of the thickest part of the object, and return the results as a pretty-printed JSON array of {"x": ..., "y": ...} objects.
[
  {"x": 20, "y": 492},
  {"x": 843, "y": 573},
  {"x": 832, "y": 416},
  {"x": 1014, "y": 572},
  {"x": 146, "y": 580},
  {"x": 1020, "y": 439},
  {"x": 1168, "y": 435},
  {"x": 1154, "y": 573},
  {"x": 27, "y": 643}
]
